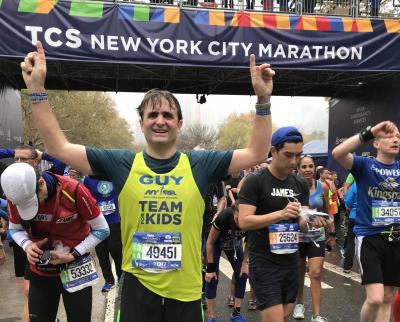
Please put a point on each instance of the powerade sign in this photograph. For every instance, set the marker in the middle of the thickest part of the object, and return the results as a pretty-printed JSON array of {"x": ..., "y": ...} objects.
[{"x": 141, "y": 34}]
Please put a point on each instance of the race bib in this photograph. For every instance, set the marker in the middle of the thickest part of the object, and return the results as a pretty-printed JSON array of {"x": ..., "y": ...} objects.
[
  {"x": 79, "y": 274},
  {"x": 107, "y": 207},
  {"x": 385, "y": 212},
  {"x": 157, "y": 252},
  {"x": 283, "y": 238}
]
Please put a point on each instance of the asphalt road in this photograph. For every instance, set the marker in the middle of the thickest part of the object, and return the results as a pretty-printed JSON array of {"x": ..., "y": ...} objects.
[{"x": 341, "y": 301}]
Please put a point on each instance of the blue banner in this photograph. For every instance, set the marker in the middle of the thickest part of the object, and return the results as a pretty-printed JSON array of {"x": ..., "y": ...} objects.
[{"x": 142, "y": 34}]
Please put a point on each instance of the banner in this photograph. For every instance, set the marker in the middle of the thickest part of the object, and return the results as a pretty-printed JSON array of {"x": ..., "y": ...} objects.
[{"x": 143, "y": 34}]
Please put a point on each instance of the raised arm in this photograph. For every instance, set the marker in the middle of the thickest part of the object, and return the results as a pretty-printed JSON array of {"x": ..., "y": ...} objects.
[
  {"x": 34, "y": 73},
  {"x": 343, "y": 152},
  {"x": 260, "y": 140}
]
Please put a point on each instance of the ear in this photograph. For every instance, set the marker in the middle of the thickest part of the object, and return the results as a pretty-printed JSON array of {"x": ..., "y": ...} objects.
[
  {"x": 273, "y": 151},
  {"x": 141, "y": 123},
  {"x": 41, "y": 182},
  {"x": 375, "y": 143},
  {"x": 180, "y": 124}
]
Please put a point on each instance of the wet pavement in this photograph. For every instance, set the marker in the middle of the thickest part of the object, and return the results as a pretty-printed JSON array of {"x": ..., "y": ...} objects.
[{"x": 342, "y": 295}]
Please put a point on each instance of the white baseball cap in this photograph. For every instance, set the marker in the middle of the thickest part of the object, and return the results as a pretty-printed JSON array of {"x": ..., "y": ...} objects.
[{"x": 19, "y": 185}]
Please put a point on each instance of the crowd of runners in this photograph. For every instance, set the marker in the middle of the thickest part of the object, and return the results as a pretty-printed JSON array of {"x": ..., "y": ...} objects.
[{"x": 166, "y": 217}]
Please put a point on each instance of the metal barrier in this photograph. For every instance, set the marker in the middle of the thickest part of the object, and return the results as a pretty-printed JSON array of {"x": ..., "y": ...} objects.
[{"x": 350, "y": 8}]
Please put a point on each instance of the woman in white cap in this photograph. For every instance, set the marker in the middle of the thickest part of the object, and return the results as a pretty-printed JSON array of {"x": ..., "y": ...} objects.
[{"x": 56, "y": 221}]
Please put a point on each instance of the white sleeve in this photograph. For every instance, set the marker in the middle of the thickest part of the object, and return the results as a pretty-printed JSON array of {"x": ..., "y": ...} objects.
[
  {"x": 19, "y": 234},
  {"x": 99, "y": 232}
]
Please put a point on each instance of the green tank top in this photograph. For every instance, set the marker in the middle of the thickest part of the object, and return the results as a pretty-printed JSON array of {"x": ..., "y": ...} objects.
[{"x": 155, "y": 207}]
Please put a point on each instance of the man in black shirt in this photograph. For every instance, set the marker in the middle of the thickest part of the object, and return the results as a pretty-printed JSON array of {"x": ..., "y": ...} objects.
[{"x": 269, "y": 209}]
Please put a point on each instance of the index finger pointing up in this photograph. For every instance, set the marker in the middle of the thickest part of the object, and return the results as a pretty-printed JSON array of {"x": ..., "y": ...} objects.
[
  {"x": 252, "y": 60},
  {"x": 40, "y": 49}
]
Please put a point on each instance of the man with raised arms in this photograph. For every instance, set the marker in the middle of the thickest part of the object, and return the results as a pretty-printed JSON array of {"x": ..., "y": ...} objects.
[{"x": 160, "y": 192}]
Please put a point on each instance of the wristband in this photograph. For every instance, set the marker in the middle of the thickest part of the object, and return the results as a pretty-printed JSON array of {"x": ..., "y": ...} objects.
[
  {"x": 263, "y": 111},
  {"x": 75, "y": 253},
  {"x": 211, "y": 268},
  {"x": 263, "y": 106},
  {"x": 366, "y": 134},
  {"x": 38, "y": 97}
]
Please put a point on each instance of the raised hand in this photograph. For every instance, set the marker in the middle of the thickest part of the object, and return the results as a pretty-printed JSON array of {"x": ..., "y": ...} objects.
[
  {"x": 385, "y": 129},
  {"x": 261, "y": 79},
  {"x": 34, "y": 69}
]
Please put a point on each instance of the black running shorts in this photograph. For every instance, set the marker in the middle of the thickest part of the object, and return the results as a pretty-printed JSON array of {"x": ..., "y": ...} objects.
[
  {"x": 138, "y": 304},
  {"x": 310, "y": 250},
  {"x": 274, "y": 285},
  {"x": 379, "y": 260}
]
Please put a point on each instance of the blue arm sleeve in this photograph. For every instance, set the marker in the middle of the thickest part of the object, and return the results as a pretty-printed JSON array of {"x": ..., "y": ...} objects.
[
  {"x": 7, "y": 153},
  {"x": 58, "y": 165}
]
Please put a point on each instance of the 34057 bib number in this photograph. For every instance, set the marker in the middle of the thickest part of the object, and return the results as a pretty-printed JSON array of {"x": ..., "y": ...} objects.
[{"x": 385, "y": 212}]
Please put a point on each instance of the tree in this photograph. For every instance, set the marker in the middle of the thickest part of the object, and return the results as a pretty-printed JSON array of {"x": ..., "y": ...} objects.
[
  {"x": 235, "y": 132},
  {"x": 197, "y": 134},
  {"x": 86, "y": 118}
]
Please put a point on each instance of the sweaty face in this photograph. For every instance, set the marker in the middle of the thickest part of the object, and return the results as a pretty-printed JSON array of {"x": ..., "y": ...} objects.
[
  {"x": 26, "y": 156},
  {"x": 160, "y": 124},
  {"x": 287, "y": 158},
  {"x": 306, "y": 167}
]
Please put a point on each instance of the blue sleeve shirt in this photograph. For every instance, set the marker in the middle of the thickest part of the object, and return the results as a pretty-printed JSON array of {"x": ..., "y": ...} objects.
[
  {"x": 58, "y": 166},
  {"x": 106, "y": 198},
  {"x": 376, "y": 183},
  {"x": 7, "y": 153}
]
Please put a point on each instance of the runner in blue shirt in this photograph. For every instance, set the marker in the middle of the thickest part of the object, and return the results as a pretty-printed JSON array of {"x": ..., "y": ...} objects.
[
  {"x": 377, "y": 220},
  {"x": 107, "y": 200}
]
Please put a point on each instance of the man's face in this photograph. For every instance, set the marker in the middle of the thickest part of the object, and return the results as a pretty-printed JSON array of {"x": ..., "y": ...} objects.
[
  {"x": 389, "y": 146},
  {"x": 73, "y": 175},
  {"x": 160, "y": 124},
  {"x": 25, "y": 155},
  {"x": 287, "y": 158}
]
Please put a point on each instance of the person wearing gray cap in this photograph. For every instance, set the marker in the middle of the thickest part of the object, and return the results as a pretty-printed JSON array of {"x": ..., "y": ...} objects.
[
  {"x": 56, "y": 221},
  {"x": 270, "y": 203}
]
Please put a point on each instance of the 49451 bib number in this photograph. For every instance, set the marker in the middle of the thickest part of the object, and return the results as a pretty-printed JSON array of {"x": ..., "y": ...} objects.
[
  {"x": 157, "y": 252},
  {"x": 162, "y": 252}
]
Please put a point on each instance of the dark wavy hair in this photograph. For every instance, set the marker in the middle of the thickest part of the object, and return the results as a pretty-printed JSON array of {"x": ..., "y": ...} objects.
[{"x": 154, "y": 97}]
